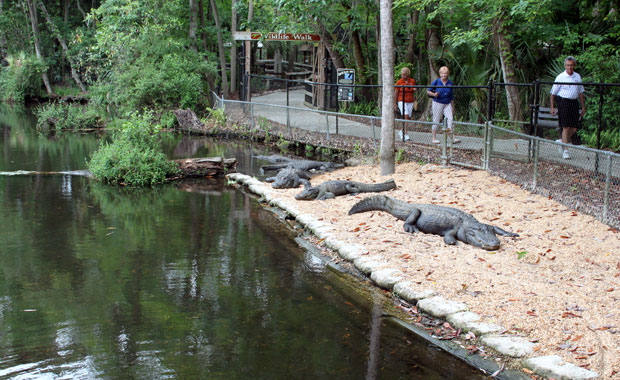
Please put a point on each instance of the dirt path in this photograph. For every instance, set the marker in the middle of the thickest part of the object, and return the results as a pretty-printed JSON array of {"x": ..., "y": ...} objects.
[{"x": 557, "y": 284}]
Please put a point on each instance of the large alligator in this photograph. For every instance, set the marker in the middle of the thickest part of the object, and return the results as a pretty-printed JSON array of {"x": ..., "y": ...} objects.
[
  {"x": 451, "y": 223},
  {"x": 289, "y": 178},
  {"x": 332, "y": 189},
  {"x": 302, "y": 165},
  {"x": 275, "y": 158}
]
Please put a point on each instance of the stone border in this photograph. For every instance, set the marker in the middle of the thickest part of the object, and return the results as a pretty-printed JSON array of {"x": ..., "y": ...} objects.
[{"x": 456, "y": 313}]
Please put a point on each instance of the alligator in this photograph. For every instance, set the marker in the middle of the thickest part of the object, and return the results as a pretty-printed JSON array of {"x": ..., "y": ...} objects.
[
  {"x": 302, "y": 165},
  {"x": 274, "y": 158},
  {"x": 289, "y": 178},
  {"x": 451, "y": 223},
  {"x": 332, "y": 189}
]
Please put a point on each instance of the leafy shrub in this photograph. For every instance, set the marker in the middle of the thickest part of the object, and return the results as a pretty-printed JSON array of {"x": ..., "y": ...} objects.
[
  {"x": 135, "y": 156},
  {"x": 361, "y": 108},
  {"x": 21, "y": 78},
  {"x": 67, "y": 116}
]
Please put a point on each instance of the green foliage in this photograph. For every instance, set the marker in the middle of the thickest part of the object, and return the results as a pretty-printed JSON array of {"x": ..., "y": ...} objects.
[
  {"x": 282, "y": 143},
  {"x": 400, "y": 156},
  {"x": 21, "y": 78},
  {"x": 361, "y": 108},
  {"x": 217, "y": 116},
  {"x": 140, "y": 58},
  {"x": 62, "y": 116},
  {"x": 134, "y": 157}
]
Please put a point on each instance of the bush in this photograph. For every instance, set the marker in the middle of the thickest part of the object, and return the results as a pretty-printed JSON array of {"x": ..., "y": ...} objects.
[
  {"x": 21, "y": 78},
  {"x": 61, "y": 116},
  {"x": 134, "y": 157}
]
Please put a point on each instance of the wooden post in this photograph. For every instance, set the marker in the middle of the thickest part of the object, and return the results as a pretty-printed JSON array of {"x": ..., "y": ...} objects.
[{"x": 248, "y": 62}]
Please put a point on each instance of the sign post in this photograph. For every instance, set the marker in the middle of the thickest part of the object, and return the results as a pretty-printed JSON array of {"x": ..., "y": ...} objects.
[{"x": 346, "y": 80}]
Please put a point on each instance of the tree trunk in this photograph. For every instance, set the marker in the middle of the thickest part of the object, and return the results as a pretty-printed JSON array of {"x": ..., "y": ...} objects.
[
  {"x": 193, "y": 24},
  {"x": 413, "y": 19},
  {"x": 2, "y": 36},
  {"x": 386, "y": 155},
  {"x": 233, "y": 50},
  {"x": 433, "y": 45},
  {"x": 220, "y": 45},
  {"x": 329, "y": 45},
  {"x": 66, "y": 12},
  {"x": 508, "y": 64},
  {"x": 34, "y": 23},
  {"x": 379, "y": 65},
  {"x": 201, "y": 27},
  {"x": 79, "y": 7},
  {"x": 206, "y": 167},
  {"x": 65, "y": 49}
]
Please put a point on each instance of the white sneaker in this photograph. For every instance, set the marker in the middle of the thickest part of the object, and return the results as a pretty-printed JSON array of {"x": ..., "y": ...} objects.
[
  {"x": 565, "y": 155},
  {"x": 406, "y": 137},
  {"x": 400, "y": 135},
  {"x": 560, "y": 147}
]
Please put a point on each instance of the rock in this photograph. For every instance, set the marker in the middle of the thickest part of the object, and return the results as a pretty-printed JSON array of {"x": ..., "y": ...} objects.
[
  {"x": 386, "y": 278},
  {"x": 514, "y": 346},
  {"x": 407, "y": 291},
  {"x": 554, "y": 366},
  {"x": 440, "y": 307}
]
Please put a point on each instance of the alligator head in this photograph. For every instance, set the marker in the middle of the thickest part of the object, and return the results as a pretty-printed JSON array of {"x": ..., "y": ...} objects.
[
  {"x": 308, "y": 194},
  {"x": 479, "y": 235}
]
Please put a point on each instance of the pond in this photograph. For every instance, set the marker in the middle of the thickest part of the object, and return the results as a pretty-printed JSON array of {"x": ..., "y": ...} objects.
[{"x": 191, "y": 281}]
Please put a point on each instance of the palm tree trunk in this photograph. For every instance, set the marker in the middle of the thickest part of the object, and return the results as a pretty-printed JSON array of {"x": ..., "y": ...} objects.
[{"x": 386, "y": 154}]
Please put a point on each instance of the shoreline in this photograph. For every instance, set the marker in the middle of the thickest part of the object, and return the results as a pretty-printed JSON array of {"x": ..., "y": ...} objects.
[{"x": 517, "y": 349}]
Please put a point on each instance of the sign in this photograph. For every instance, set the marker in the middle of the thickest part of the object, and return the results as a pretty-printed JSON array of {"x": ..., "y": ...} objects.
[
  {"x": 255, "y": 36},
  {"x": 345, "y": 77},
  {"x": 345, "y": 94}
]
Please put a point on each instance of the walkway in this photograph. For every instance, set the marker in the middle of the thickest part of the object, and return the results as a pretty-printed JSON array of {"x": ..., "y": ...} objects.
[{"x": 303, "y": 117}]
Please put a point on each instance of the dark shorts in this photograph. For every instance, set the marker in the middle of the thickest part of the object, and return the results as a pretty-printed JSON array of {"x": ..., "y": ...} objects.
[{"x": 568, "y": 112}]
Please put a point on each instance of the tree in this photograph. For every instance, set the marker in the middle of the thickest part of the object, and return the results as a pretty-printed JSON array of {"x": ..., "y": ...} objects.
[
  {"x": 220, "y": 46},
  {"x": 386, "y": 154},
  {"x": 63, "y": 44},
  {"x": 36, "y": 36}
]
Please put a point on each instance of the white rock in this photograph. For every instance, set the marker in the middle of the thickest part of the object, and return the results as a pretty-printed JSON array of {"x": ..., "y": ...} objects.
[
  {"x": 554, "y": 366},
  {"x": 514, "y": 346},
  {"x": 408, "y": 291},
  {"x": 440, "y": 307},
  {"x": 386, "y": 278}
]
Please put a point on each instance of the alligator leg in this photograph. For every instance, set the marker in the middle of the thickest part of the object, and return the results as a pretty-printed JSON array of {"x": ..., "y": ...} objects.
[
  {"x": 326, "y": 195},
  {"x": 450, "y": 237},
  {"x": 409, "y": 225},
  {"x": 499, "y": 231},
  {"x": 305, "y": 182}
]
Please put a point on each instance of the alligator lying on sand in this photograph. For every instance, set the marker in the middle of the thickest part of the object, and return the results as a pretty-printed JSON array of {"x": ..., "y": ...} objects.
[
  {"x": 302, "y": 165},
  {"x": 451, "y": 223},
  {"x": 332, "y": 189},
  {"x": 289, "y": 178},
  {"x": 275, "y": 158}
]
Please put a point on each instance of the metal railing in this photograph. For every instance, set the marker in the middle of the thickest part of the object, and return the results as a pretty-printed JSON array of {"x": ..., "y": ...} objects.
[{"x": 589, "y": 181}]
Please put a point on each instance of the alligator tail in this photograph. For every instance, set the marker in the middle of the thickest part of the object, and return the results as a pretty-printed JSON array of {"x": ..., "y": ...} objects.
[
  {"x": 374, "y": 203},
  {"x": 383, "y": 186},
  {"x": 399, "y": 209}
]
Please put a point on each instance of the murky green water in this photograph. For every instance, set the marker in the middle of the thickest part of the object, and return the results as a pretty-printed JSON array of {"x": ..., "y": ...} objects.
[{"x": 191, "y": 281}]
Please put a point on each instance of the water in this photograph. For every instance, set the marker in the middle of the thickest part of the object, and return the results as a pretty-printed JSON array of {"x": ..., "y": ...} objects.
[{"x": 187, "y": 281}]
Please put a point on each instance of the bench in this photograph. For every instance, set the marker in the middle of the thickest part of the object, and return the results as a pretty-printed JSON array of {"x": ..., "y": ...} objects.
[{"x": 548, "y": 121}]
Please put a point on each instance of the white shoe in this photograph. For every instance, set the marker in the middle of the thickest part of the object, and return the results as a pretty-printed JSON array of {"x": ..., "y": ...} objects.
[
  {"x": 407, "y": 138},
  {"x": 400, "y": 135},
  {"x": 565, "y": 155},
  {"x": 560, "y": 147}
]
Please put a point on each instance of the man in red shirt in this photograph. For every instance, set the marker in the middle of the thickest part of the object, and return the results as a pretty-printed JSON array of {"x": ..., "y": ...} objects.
[{"x": 404, "y": 96}]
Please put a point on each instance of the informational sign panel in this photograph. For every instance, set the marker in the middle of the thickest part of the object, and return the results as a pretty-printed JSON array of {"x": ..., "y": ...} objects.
[
  {"x": 345, "y": 78},
  {"x": 255, "y": 36}
]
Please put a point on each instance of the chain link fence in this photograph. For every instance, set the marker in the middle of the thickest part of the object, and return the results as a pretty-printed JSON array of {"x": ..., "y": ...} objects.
[{"x": 589, "y": 181}]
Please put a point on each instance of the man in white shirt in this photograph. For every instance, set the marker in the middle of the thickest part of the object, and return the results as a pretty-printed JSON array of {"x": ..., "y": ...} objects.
[{"x": 565, "y": 96}]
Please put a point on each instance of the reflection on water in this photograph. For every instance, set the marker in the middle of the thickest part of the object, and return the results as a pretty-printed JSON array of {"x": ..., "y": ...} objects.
[{"x": 187, "y": 281}]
